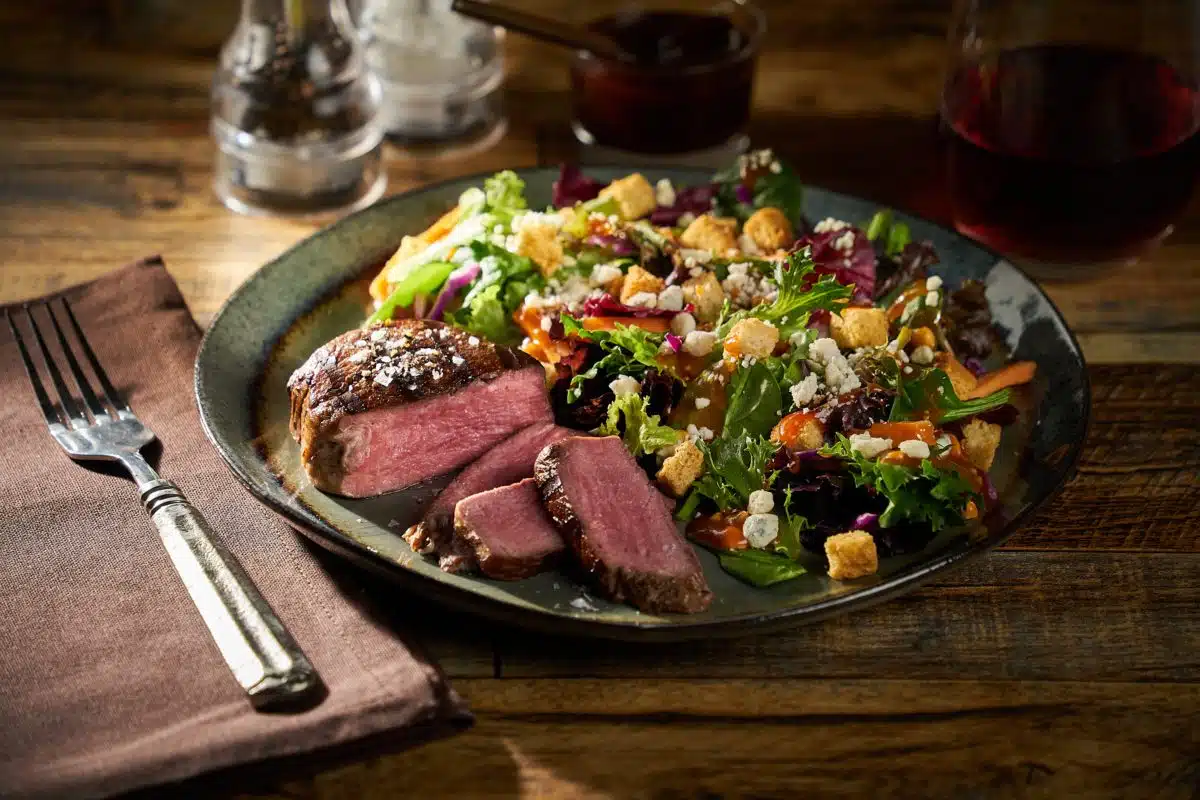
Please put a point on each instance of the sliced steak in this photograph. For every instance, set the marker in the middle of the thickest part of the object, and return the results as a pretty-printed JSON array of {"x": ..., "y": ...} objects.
[
  {"x": 387, "y": 407},
  {"x": 505, "y": 532},
  {"x": 615, "y": 522},
  {"x": 507, "y": 462}
]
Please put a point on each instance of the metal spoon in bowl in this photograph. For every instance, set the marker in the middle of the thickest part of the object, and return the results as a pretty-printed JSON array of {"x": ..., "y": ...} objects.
[{"x": 542, "y": 28}]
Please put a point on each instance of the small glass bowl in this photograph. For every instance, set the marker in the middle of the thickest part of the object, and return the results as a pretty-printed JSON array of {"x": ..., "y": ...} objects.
[{"x": 629, "y": 109}]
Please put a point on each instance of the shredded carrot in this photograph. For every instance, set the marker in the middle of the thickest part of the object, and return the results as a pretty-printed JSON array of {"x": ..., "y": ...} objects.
[
  {"x": 1013, "y": 374},
  {"x": 720, "y": 531},
  {"x": 898, "y": 432},
  {"x": 652, "y": 324}
]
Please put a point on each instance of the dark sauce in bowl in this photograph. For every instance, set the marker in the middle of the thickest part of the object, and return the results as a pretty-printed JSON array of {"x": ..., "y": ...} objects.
[{"x": 685, "y": 86}]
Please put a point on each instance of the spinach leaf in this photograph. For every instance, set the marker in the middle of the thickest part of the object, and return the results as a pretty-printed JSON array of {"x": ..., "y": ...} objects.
[
  {"x": 790, "y": 525},
  {"x": 755, "y": 402},
  {"x": 759, "y": 568},
  {"x": 782, "y": 190}
]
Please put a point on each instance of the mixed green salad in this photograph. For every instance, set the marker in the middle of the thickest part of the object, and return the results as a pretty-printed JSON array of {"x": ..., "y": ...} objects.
[{"x": 808, "y": 391}]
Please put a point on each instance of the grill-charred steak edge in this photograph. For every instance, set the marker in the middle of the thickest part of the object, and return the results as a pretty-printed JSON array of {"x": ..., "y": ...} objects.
[{"x": 402, "y": 366}]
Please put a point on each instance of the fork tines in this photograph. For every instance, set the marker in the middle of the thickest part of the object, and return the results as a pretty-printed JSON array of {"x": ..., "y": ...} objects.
[{"x": 72, "y": 411}]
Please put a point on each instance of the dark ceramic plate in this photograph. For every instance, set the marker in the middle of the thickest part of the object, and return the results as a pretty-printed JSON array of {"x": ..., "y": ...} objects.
[{"x": 316, "y": 290}]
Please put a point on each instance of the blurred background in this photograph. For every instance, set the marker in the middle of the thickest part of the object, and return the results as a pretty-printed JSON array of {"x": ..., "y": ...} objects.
[{"x": 105, "y": 138}]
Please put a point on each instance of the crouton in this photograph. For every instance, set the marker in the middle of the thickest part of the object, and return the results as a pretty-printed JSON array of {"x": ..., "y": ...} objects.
[
  {"x": 751, "y": 337},
  {"x": 634, "y": 195},
  {"x": 681, "y": 469},
  {"x": 799, "y": 431},
  {"x": 769, "y": 229},
  {"x": 851, "y": 555},
  {"x": 961, "y": 378},
  {"x": 707, "y": 232},
  {"x": 539, "y": 242},
  {"x": 980, "y": 440},
  {"x": 859, "y": 327},
  {"x": 638, "y": 280},
  {"x": 706, "y": 294}
]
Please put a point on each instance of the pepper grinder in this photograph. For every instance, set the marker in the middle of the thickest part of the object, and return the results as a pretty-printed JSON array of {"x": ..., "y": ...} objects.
[{"x": 296, "y": 113}]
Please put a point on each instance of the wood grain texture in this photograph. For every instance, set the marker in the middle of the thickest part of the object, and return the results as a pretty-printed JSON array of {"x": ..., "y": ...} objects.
[
  {"x": 1063, "y": 665},
  {"x": 771, "y": 738}
]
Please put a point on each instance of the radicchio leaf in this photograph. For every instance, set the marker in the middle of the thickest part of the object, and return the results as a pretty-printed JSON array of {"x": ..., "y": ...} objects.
[
  {"x": 967, "y": 321},
  {"x": 573, "y": 187},
  {"x": 688, "y": 200},
  {"x": 458, "y": 280},
  {"x": 857, "y": 410},
  {"x": 662, "y": 393},
  {"x": 616, "y": 244},
  {"x": 608, "y": 306},
  {"x": 853, "y": 266}
]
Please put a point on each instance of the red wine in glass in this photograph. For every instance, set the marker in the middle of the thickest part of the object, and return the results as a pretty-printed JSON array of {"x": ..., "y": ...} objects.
[{"x": 1069, "y": 153}]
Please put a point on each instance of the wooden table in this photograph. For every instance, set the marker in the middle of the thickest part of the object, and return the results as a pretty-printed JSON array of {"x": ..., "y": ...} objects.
[{"x": 1064, "y": 664}]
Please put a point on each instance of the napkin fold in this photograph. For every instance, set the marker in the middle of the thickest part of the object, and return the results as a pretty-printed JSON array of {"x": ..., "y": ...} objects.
[{"x": 109, "y": 680}]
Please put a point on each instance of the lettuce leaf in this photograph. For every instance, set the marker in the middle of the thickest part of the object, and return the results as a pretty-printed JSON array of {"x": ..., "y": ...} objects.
[
  {"x": 504, "y": 196},
  {"x": 798, "y": 297},
  {"x": 923, "y": 495},
  {"x": 422, "y": 279},
  {"x": 894, "y": 235},
  {"x": 641, "y": 432},
  {"x": 932, "y": 391},
  {"x": 628, "y": 350},
  {"x": 504, "y": 280},
  {"x": 734, "y": 466}
]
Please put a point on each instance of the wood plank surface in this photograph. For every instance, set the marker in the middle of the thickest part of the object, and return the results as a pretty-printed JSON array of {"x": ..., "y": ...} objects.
[
  {"x": 1063, "y": 665},
  {"x": 764, "y": 737}
]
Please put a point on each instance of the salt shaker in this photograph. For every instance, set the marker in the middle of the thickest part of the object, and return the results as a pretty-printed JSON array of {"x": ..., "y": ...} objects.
[
  {"x": 295, "y": 113},
  {"x": 441, "y": 73}
]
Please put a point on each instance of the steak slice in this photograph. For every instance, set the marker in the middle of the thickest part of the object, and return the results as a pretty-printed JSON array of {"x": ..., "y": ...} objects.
[
  {"x": 505, "y": 532},
  {"x": 508, "y": 462},
  {"x": 615, "y": 522},
  {"x": 400, "y": 402}
]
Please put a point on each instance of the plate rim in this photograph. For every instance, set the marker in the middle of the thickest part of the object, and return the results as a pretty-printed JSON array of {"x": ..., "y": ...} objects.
[{"x": 680, "y": 627}]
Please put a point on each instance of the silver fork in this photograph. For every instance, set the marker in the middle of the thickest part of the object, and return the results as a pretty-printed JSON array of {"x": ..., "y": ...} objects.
[{"x": 264, "y": 658}]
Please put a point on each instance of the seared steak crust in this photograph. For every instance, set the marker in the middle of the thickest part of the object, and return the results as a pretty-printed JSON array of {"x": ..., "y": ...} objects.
[
  {"x": 385, "y": 365},
  {"x": 649, "y": 591}
]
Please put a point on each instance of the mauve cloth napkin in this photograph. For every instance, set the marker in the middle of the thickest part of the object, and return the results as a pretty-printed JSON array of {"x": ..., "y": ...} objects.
[{"x": 108, "y": 678}]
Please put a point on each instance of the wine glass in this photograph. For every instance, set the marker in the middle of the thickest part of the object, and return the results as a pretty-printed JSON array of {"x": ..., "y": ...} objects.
[{"x": 1070, "y": 125}]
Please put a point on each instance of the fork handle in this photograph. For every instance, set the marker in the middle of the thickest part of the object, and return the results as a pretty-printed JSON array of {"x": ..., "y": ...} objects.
[{"x": 264, "y": 658}]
